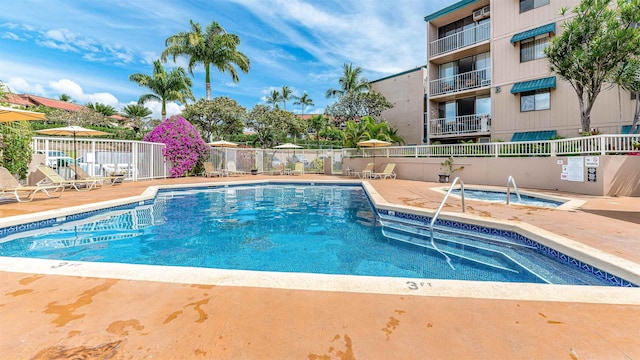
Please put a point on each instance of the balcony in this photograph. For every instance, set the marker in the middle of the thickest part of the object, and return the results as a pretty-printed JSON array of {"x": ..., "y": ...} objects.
[
  {"x": 474, "y": 35},
  {"x": 466, "y": 124},
  {"x": 465, "y": 81}
]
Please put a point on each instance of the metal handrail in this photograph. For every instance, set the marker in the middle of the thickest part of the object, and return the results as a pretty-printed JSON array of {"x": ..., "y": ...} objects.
[
  {"x": 510, "y": 181},
  {"x": 435, "y": 216}
]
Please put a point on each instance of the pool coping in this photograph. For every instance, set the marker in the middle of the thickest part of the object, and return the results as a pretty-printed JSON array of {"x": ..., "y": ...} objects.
[{"x": 304, "y": 281}]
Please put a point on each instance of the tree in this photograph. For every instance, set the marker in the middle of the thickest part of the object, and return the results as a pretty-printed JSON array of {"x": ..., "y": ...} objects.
[
  {"x": 317, "y": 123},
  {"x": 214, "y": 47},
  {"x": 165, "y": 86},
  {"x": 185, "y": 146},
  {"x": 286, "y": 95},
  {"x": 350, "y": 82},
  {"x": 367, "y": 129},
  {"x": 65, "y": 98},
  {"x": 356, "y": 105},
  {"x": 260, "y": 121},
  {"x": 106, "y": 110},
  {"x": 274, "y": 98},
  {"x": 304, "y": 101},
  {"x": 217, "y": 117},
  {"x": 627, "y": 77},
  {"x": 15, "y": 147},
  {"x": 83, "y": 117},
  {"x": 138, "y": 114},
  {"x": 592, "y": 45},
  {"x": 3, "y": 92}
]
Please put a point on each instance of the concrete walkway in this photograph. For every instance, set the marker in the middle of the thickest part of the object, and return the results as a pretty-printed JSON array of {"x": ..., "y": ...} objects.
[{"x": 64, "y": 317}]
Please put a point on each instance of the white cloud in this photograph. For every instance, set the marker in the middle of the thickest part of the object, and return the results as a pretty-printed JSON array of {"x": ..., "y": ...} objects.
[
  {"x": 19, "y": 85},
  {"x": 156, "y": 107},
  {"x": 12, "y": 36}
]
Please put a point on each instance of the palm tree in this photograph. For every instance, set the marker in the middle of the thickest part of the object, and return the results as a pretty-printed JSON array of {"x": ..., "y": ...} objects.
[
  {"x": 274, "y": 98},
  {"x": 317, "y": 123},
  {"x": 165, "y": 86},
  {"x": 286, "y": 95},
  {"x": 106, "y": 110},
  {"x": 65, "y": 98},
  {"x": 136, "y": 113},
  {"x": 214, "y": 47},
  {"x": 304, "y": 101},
  {"x": 350, "y": 82}
]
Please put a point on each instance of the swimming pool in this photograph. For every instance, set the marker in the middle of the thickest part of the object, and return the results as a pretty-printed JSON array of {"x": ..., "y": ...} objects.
[{"x": 287, "y": 228}]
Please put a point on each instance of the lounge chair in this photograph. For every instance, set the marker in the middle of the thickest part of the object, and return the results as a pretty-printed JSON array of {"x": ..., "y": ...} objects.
[
  {"x": 298, "y": 169},
  {"x": 210, "y": 171},
  {"x": 53, "y": 178},
  {"x": 232, "y": 171},
  {"x": 386, "y": 173},
  {"x": 365, "y": 173},
  {"x": 277, "y": 170},
  {"x": 9, "y": 185},
  {"x": 82, "y": 175}
]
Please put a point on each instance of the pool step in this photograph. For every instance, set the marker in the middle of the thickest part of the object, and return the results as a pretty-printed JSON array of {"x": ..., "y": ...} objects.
[
  {"x": 456, "y": 250},
  {"x": 456, "y": 243}
]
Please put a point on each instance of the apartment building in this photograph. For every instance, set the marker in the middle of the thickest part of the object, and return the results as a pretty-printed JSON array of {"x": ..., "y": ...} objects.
[{"x": 488, "y": 79}]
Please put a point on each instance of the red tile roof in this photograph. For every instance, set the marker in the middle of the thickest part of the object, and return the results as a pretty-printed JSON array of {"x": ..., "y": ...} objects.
[{"x": 33, "y": 100}]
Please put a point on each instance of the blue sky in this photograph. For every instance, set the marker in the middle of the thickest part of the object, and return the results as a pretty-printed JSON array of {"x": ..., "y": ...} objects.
[{"x": 87, "y": 49}]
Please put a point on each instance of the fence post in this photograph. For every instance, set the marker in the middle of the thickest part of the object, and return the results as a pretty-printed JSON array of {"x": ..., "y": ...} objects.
[
  {"x": 553, "y": 148},
  {"x": 603, "y": 149},
  {"x": 495, "y": 150},
  {"x": 134, "y": 160}
]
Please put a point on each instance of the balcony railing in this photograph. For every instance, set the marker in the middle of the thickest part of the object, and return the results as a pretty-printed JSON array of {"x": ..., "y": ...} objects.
[
  {"x": 459, "y": 40},
  {"x": 465, "y": 81},
  {"x": 466, "y": 124}
]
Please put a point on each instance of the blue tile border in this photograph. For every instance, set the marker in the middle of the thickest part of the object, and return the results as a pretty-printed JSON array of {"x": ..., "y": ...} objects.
[
  {"x": 610, "y": 278},
  {"x": 543, "y": 249}
]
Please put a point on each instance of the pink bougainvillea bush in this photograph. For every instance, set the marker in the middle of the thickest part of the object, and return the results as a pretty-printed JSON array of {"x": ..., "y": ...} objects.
[{"x": 184, "y": 144}]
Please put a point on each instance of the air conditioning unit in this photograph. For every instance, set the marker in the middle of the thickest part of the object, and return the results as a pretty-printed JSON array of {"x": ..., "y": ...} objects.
[{"x": 482, "y": 13}]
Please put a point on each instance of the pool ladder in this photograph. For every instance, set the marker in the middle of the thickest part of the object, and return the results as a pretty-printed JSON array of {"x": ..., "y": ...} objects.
[
  {"x": 435, "y": 216},
  {"x": 510, "y": 181}
]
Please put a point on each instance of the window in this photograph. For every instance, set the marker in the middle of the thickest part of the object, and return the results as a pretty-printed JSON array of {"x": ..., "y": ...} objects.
[
  {"x": 533, "y": 48},
  {"x": 526, "y": 5},
  {"x": 535, "y": 100}
]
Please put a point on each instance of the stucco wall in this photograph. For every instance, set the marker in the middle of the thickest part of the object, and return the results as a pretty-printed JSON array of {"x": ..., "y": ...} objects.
[{"x": 615, "y": 174}]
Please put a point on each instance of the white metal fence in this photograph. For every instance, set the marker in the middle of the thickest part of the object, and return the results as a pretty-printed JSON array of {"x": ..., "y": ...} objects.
[
  {"x": 137, "y": 160},
  {"x": 273, "y": 160},
  {"x": 587, "y": 145}
]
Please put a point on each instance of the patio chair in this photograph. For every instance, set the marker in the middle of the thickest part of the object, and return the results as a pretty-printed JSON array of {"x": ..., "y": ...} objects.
[
  {"x": 82, "y": 175},
  {"x": 277, "y": 170},
  {"x": 210, "y": 171},
  {"x": 53, "y": 178},
  {"x": 298, "y": 169},
  {"x": 9, "y": 185},
  {"x": 365, "y": 173},
  {"x": 232, "y": 171},
  {"x": 386, "y": 173}
]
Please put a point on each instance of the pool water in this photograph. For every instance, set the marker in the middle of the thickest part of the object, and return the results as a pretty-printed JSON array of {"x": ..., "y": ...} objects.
[
  {"x": 284, "y": 228},
  {"x": 499, "y": 196}
]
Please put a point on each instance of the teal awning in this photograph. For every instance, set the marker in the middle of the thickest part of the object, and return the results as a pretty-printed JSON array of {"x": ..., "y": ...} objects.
[
  {"x": 545, "y": 83},
  {"x": 533, "y": 135},
  {"x": 549, "y": 28},
  {"x": 627, "y": 130}
]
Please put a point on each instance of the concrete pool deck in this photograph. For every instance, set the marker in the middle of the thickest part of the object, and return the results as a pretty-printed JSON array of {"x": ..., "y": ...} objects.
[{"x": 53, "y": 316}]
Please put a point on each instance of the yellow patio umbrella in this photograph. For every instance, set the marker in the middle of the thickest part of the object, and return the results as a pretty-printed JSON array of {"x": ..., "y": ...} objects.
[
  {"x": 72, "y": 131},
  {"x": 222, "y": 143},
  {"x": 373, "y": 143},
  {"x": 10, "y": 114}
]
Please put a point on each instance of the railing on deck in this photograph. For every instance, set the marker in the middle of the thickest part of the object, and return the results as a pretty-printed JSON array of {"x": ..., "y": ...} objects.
[
  {"x": 459, "y": 40},
  {"x": 137, "y": 160},
  {"x": 477, "y": 123},
  {"x": 460, "y": 82},
  {"x": 588, "y": 145}
]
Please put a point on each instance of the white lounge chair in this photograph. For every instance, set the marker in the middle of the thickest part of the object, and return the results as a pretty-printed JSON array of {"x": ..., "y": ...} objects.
[
  {"x": 386, "y": 173},
  {"x": 9, "y": 185},
  {"x": 53, "y": 178}
]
